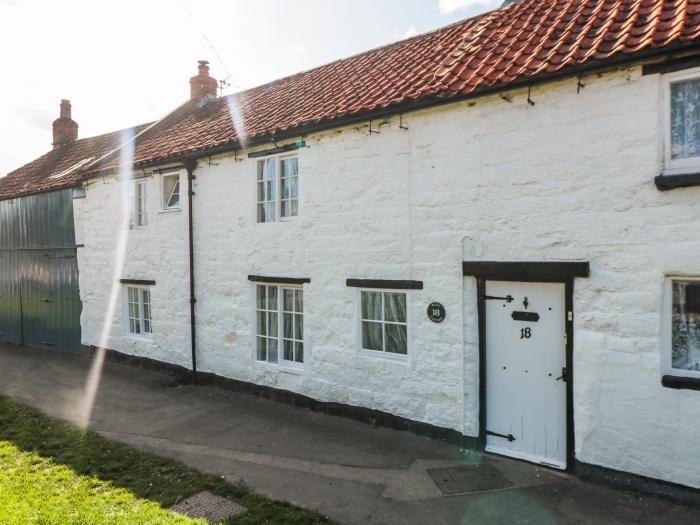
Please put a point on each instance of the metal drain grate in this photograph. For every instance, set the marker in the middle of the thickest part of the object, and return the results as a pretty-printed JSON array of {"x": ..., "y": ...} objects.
[
  {"x": 468, "y": 478},
  {"x": 208, "y": 506}
]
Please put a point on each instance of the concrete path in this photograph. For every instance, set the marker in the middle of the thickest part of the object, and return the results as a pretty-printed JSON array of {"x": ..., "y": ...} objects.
[{"x": 349, "y": 471}]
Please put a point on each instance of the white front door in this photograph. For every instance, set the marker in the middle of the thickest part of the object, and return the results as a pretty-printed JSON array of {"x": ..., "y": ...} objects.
[{"x": 525, "y": 375}]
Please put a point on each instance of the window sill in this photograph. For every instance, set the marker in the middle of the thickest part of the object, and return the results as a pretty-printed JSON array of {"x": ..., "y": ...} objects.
[
  {"x": 681, "y": 383},
  {"x": 169, "y": 210},
  {"x": 287, "y": 220},
  {"x": 670, "y": 181},
  {"x": 280, "y": 367},
  {"x": 384, "y": 356},
  {"x": 139, "y": 338},
  {"x": 292, "y": 369}
]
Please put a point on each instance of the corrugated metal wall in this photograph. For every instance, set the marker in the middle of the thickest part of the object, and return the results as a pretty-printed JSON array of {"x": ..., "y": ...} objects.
[{"x": 39, "y": 296}]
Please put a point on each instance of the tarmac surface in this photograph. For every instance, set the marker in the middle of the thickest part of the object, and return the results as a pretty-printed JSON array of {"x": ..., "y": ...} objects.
[{"x": 352, "y": 472}]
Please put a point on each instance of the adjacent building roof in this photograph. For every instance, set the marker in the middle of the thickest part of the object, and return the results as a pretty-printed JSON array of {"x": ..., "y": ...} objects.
[
  {"x": 523, "y": 43},
  {"x": 60, "y": 167}
]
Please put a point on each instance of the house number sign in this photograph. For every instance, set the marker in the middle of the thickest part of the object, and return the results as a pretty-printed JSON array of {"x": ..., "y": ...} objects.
[{"x": 436, "y": 312}]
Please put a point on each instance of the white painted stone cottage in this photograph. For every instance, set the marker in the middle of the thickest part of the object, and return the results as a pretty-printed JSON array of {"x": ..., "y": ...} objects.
[{"x": 468, "y": 232}]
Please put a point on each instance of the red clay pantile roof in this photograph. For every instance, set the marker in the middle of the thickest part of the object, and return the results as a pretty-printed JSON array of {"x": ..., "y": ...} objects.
[
  {"x": 525, "y": 42},
  {"x": 60, "y": 167}
]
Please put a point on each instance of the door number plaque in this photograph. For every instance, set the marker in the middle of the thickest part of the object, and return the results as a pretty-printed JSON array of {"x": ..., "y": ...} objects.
[{"x": 436, "y": 312}]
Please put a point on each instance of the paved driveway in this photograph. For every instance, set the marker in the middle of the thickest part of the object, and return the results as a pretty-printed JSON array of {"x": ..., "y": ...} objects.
[{"x": 349, "y": 471}]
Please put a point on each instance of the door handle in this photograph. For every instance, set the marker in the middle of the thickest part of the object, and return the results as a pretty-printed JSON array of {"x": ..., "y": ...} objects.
[{"x": 563, "y": 375}]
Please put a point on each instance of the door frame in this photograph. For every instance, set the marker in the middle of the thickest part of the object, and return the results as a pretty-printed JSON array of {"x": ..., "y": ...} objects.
[{"x": 558, "y": 272}]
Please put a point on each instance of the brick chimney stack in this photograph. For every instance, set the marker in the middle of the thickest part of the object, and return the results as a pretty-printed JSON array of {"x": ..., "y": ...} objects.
[
  {"x": 65, "y": 129},
  {"x": 203, "y": 85}
]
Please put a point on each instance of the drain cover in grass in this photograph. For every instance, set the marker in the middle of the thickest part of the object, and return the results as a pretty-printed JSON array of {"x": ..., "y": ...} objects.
[
  {"x": 468, "y": 478},
  {"x": 208, "y": 506}
]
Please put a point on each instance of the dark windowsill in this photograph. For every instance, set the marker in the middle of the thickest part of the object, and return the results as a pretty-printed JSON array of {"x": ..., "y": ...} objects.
[
  {"x": 143, "y": 282},
  {"x": 670, "y": 182},
  {"x": 684, "y": 383},
  {"x": 387, "y": 284},
  {"x": 278, "y": 280}
]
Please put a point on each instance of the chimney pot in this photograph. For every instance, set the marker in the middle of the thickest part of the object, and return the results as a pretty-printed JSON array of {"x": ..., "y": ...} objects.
[
  {"x": 65, "y": 129},
  {"x": 65, "y": 108},
  {"x": 202, "y": 85}
]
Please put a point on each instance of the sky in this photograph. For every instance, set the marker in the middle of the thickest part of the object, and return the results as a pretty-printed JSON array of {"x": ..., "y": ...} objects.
[{"x": 129, "y": 62}]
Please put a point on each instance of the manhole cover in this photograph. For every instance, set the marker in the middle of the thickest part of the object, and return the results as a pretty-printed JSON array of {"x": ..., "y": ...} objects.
[
  {"x": 468, "y": 478},
  {"x": 208, "y": 506}
]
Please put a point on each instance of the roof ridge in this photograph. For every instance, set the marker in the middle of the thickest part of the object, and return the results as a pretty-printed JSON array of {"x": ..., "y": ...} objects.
[{"x": 102, "y": 135}]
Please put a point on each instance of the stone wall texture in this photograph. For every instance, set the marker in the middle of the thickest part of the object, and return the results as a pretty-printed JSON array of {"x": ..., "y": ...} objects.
[{"x": 570, "y": 178}]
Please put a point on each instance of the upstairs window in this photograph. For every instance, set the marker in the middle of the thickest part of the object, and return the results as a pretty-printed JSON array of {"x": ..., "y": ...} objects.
[
  {"x": 289, "y": 187},
  {"x": 685, "y": 326},
  {"x": 279, "y": 324},
  {"x": 384, "y": 322},
  {"x": 682, "y": 141},
  {"x": 277, "y": 188},
  {"x": 171, "y": 191},
  {"x": 139, "y": 310},
  {"x": 140, "y": 215}
]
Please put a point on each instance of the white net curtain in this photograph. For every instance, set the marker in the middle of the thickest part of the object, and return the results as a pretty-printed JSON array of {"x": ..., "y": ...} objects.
[{"x": 685, "y": 119}]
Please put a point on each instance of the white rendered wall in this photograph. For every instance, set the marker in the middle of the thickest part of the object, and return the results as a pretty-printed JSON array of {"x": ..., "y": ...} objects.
[
  {"x": 113, "y": 250},
  {"x": 570, "y": 178}
]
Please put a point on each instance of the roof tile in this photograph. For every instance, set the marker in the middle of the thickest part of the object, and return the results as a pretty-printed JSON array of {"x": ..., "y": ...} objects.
[{"x": 526, "y": 40}]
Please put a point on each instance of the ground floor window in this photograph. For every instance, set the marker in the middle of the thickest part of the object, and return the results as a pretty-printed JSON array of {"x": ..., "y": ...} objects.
[
  {"x": 279, "y": 323},
  {"x": 384, "y": 323},
  {"x": 139, "y": 310},
  {"x": 685, "y": 325}
]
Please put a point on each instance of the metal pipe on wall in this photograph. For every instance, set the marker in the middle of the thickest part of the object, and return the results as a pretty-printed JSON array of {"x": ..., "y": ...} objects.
[{"x": 190, "y": 166}]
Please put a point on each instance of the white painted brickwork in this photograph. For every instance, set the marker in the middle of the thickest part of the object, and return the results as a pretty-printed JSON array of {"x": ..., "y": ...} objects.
[
  {"x": 568, "y": 179},
  {"x": 156, "y": 252}
]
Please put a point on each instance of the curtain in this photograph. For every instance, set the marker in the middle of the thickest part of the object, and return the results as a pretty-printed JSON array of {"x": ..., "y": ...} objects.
[
  {"x": 685, "y": 326},
  {"x": 381, "y": 315},
  {"x": 371, "y": 311},
  {"x": 290, "y": 186},
  {"x": 685, "y": 119},
  {"x": 266, "y": 304},
  {"x": 395, "y": 307},
  {"x": 267, "y": 190},
  {"x": 134, "y": 314},
  {"x": 395, "y": 335},
  {"x": 146, "y": 299}
]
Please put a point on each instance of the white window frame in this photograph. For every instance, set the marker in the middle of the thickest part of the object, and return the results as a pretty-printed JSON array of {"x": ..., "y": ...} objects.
[
  {"x": 666, "y": 329},
  {"x": 278, "y": 186},
  {"x": 141, "y": 183},
  {"x": 281, "y": 361},
  {"x": 164, "y": 197},
  {"x": 383, "y": 354},
  {"x": 142, "y": 317},
  {"x": 680, "y": 166}
]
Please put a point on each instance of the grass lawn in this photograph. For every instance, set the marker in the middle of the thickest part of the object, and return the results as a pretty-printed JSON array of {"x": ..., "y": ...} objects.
[{"x": 51, "y": 472}]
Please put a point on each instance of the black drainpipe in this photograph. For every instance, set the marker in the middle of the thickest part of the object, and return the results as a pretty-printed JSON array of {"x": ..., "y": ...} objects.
[{"x": 190, "y": 166}]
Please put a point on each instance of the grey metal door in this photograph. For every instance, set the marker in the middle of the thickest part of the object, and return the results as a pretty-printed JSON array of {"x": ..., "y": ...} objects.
[
  {"x": 39, "y": 296},
  {"x": 50, "y": 300},
  {"x": 10, "y": 299}
]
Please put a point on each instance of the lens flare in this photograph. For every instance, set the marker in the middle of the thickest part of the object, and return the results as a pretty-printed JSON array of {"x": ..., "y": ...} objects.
[
  {"x": 125, "y": 176},
  {"x": 234, "y": 111}
]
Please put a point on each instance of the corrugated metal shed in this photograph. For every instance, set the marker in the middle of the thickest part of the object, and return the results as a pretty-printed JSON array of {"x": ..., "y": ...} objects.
[{"x": 39, "y": 295}]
